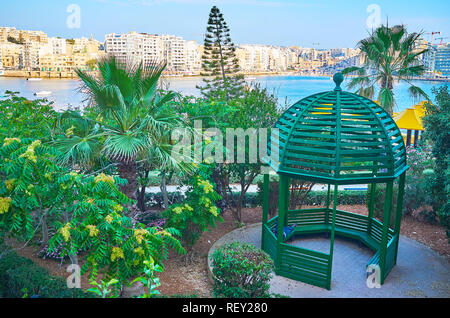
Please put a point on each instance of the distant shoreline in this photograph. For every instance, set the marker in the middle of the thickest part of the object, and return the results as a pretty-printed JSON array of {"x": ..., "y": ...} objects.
[{"x": 72, "y": 75}]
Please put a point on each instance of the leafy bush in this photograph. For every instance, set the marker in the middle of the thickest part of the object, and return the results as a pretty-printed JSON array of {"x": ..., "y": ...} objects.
[
  {"x": 19, "y": 276},
  {"x": 380, "y": 193},
  {"x": 437, "y": 126},
  {"x": 417, "y": 200},
  {"x": 197, "y": 212},
  {"x": 241, "y": 270}
]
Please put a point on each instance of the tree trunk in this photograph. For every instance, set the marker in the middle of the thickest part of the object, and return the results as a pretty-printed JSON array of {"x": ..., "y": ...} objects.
[
  {"x": 141, "y": 199},
  {"x": 128, "y": 171},
  {"x": 163, "y": 188},
  {"x": 44, "y": 229}
]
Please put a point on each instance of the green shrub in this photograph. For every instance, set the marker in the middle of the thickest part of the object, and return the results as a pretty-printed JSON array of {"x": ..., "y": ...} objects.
[
  {"x": 198, "y": 212},
  {"x": 19, "y": 276},
  {"x": 380, "y": 193},
  {"x": 241, "y": 270}
]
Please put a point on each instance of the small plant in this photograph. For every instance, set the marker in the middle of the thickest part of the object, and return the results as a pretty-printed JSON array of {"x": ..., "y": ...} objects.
[
  {"x": 104, "y": 289},
  {"x": 150, "y": 282},
  {"x": 241, "y": 271}
]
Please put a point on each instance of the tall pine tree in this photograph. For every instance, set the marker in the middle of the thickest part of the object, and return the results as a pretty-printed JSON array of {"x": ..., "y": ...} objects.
[{"x": 219, "y": 62}]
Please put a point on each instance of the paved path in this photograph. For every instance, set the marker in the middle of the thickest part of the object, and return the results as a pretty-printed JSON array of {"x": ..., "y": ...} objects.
[{"x": 420, "y": 272}]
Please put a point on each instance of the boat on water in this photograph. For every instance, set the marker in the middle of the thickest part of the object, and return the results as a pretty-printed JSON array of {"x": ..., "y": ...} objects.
[
  {"x": 34, "y": 79},
  {"x": 43, "y": 93}
]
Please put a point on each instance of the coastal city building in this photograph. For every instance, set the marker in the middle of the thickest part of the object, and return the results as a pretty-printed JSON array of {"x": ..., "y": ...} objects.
[
  {"x": 33, "y": 51},
  {"x": 181, "y": 56}
]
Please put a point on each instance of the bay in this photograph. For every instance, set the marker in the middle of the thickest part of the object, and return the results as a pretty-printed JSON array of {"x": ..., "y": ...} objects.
[{"x": 288, "y": 89}]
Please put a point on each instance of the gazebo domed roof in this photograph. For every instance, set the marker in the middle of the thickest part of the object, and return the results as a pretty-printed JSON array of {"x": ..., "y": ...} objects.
[{"x": 338, "y": 137}]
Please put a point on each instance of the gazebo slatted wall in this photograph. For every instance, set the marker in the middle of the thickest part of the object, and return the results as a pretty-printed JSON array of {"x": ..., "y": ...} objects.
[{"x": 334, "y": 138}]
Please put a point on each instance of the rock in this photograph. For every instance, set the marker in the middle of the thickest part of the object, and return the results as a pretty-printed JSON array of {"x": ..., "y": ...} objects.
[{"x": 132, "y": 291}]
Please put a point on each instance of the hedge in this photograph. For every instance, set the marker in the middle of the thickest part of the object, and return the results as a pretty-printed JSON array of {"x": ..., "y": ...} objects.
[
  {"x": 253, "y": 199},
  {"x": 19, "y": 276}
]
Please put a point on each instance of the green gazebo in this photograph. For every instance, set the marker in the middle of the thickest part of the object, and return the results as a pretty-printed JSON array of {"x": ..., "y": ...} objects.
[{"x": 334, "y": 138}]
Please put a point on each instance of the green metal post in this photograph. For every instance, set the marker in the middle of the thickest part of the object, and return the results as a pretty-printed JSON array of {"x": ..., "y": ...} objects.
[
  {"x": 398, "y": 211},
  {"x": 333, "y": 224},
  {"x": 373, "y": 187},
  {"x": 286, "y": 202},
  {"x": 386, "y": 221},
  {"x": 265, "y": 207},
  {"x": 328, "y": 204},
  {"x": 282, "y": 197}
]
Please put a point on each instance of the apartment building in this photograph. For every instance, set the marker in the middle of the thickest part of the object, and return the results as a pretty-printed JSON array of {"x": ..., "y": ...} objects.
[
  {"x": 442, "y": 59},
  {"x": 11, "y": 53},
  {"x": 174, "y": 52},
  {"x": 58, "y": 45},
  {"x": 265, "y": 58},
  {"x": 134, "y": 47},
  {"x": 193, "y": 57}
]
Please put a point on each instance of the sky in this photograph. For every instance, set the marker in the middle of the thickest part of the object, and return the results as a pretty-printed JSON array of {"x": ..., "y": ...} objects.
[{"x": 305, "y": 23}]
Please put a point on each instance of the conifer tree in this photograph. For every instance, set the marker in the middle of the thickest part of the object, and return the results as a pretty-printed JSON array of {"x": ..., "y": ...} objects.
[{"x": 219, "y": 62}]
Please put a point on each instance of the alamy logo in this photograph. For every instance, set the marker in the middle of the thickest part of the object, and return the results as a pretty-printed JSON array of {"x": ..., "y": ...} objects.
[
  {"x": 237, "y": 146},
  {"x": 374, "y": 19},
  {"x": 74, "y": 279},
  {"x": 74, "y": 19},
  {"x": 374, "y": 276}
]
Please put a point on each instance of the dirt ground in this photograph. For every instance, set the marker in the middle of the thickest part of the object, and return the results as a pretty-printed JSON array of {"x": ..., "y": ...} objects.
[{"x": 191, "y": 278}]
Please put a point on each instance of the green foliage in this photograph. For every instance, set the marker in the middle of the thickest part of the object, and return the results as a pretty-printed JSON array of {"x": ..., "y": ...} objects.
[
  {"x": 150, "y": 282},
  {"x": 86, "y": 212},
  {"x": 219, "y": 60},
  {"x": 23, "y": 118},
  {"x": 256, "y": 108},
  {"x": 241, "y": 271},
  {"x": 390, "y": 55},
  {"x": 101, "y": 228},
  {"x": 380, "y": 194},
  {"x": 28, "y": 172},
  {"x": 437, "y": 131},
  {"x": 198, "y": 211},
  {"x": 20, "y": 277},
  {"x": 104, "y": 289}
]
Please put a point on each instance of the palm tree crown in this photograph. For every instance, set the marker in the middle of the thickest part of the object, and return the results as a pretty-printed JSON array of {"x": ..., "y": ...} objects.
[
  {"x": 133, "y": 122},
  {"x": 390, "y": 54}
]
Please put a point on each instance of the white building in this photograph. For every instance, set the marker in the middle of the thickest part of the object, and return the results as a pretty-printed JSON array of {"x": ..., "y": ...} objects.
[
  {"x": 134, "y": 47},
  {"x": 174, "y": 52},
  {"x": 1, "y": 64},
  {"x": 58, "y": 45},
  {"x": 193, "y": 57}
]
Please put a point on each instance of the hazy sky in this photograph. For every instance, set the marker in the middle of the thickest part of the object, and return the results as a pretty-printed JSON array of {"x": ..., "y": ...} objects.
[{"x": 330, "y": 23}]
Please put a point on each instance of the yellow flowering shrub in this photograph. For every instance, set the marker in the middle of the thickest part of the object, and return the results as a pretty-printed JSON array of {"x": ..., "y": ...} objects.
[
  {"x": 118, "y": 208},
  {"x": 116, "y": 253},
  {"x": 139, "y": 250},
  {"x": 4, "y": 204},
  {"x": 9, "y": 184},
  {"x": 109, "y": 218},
  {"x": 104, "y": 178},
  {"x": 93, "y": 231},
  {"x": 177, "y": 210},
  {"x": 29, "y": 154},
  {"x": 8, "y": 141},
  {"x": 69, "y": 131},
  {"x": 65, "y": 231},
  {"x": 198, "y": 212},
  {"x": 139, "y": 234}
]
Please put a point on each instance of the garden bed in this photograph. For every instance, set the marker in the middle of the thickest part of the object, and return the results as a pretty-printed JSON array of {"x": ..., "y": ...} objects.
[{"x": 181, "y": 278}]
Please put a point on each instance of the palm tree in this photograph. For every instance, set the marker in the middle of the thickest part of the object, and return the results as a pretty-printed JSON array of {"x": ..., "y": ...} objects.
[
  {"x": 132, "y": 125},
  {"x": 390, "y": 54}
]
